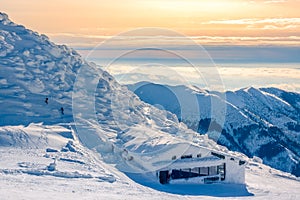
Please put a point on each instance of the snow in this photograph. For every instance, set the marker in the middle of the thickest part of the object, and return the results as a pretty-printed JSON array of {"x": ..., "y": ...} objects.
[
  {"x": 194, "y": 162},
  {"x": 81, "y": 173},
  {"x": 45, "y": 155}
]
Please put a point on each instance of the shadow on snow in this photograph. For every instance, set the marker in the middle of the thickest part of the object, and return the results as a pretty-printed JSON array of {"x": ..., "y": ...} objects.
[{"x": 215, "y": 189}]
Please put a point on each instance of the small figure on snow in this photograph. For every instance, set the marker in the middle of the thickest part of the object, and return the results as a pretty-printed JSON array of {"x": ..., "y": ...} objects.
[
  {"x": 46, "y": 100},
  {"x": 62, "y": 110}
]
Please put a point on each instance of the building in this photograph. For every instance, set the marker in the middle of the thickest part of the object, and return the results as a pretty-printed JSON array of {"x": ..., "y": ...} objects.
[
  {"x": 170, "y": 159},
  {"x": 200, "y": 165}
]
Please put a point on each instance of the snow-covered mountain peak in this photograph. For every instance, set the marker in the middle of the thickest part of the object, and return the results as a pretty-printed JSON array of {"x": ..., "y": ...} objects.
[
  {"x": 250, "y": 90},
  {"x": 197, "y": 89},
  {"x": 4, "y": 18},
  {"x": 33, "y": 69}
]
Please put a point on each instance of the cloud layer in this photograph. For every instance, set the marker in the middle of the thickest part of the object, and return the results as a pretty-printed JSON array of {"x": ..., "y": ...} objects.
[
  {"x": 234, "y": 78},
  {"x": 256, "y": 23}
]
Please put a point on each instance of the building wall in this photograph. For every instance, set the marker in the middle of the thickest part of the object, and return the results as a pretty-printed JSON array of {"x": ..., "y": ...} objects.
[{"x": 235, "y": 173}]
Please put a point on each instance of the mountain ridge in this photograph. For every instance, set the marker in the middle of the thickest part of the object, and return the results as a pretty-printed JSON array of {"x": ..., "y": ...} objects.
[{"x": 260, "y": 122}]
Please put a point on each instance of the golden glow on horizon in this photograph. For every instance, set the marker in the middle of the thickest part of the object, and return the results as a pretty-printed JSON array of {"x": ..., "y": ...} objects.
[{"x": 209, "y": 18}]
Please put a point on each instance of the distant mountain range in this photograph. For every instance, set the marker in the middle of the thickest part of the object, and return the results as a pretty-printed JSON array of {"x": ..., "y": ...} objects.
[{"x": 262, "y": 122}]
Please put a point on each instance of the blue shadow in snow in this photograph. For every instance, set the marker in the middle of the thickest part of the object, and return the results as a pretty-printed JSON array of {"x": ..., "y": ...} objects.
[{"x": 215, "y": 189}]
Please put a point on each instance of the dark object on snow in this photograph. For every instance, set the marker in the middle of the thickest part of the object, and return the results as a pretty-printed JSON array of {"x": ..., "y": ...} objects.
[
  {"x": 218, "y": 155},
  {"x": 62, "y": 110},
  {"x": 69, "y": 147},
  {"x": 46, "y": 100},
  {"x": 51, "y": 150},
  {"x": 164, "y": 177},
  {"x": 51, "y": 167}
]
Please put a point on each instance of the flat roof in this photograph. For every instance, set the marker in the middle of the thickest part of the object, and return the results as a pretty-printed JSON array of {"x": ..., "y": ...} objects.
[{"x": 191, "y": 163}]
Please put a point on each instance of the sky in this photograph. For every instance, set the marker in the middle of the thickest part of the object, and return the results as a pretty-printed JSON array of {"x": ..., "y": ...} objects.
[
  {"x": 243, "y": 22},
  {"x": 253, "y": 42}
]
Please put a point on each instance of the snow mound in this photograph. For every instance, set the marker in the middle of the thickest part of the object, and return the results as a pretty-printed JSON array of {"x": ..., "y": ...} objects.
[
  {"x": 33, "y": 136},
  {"x": 42, "y": 151}
]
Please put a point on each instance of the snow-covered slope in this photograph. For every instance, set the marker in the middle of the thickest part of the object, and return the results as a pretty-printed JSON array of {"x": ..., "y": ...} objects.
[
  {"x": 262, "y": 122},
  {"x": 32, "y": 69},
  {"x": 27, "y": 160},
  {"x": 60, "y": 155}
]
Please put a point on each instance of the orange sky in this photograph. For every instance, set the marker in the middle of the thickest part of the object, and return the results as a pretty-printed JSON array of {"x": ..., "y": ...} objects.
[{"x": 76, "y": 22}]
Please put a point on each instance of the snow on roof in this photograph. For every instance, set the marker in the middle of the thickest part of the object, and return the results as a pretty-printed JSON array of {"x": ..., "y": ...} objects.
[{"x": 194, "y": 162}]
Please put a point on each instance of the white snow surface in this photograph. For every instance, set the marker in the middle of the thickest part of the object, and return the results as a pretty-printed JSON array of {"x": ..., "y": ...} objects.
[{"x": 81, "y": 173}]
